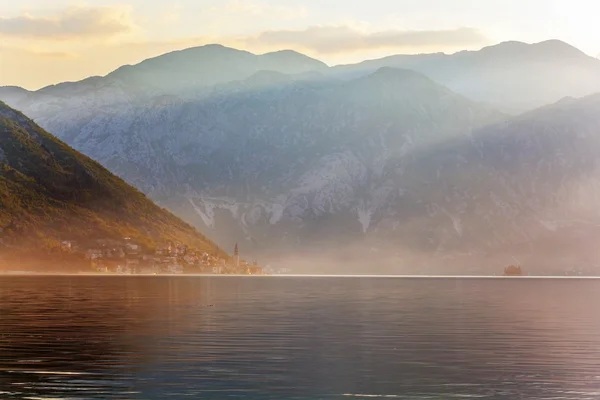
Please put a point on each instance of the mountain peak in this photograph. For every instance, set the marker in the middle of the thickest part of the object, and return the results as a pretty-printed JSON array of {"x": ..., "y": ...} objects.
[
  {"x": 559, "y": 47},
  {"x": 503, "y": 48},
  {"x": 288, "y": 58},
  {"x": 400, "y": 86},
  {"x": 15, "y": 88},
  {"x": 549, "y": 48},
  {"x": 200, "y": 67},
  {"x": 213, "y": 48},
  {"x": 195, "y": 54},
  {"x": 286, "y": 52}
]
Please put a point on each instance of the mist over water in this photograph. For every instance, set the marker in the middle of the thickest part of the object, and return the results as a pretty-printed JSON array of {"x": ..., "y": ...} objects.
[{"x": 298, "y": 338}]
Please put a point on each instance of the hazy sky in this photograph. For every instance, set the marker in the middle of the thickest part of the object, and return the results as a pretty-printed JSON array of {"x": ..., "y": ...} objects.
[{"x": 48, "y": 41}]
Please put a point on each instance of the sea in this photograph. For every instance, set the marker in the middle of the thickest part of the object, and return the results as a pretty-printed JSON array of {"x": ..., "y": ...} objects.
[{"x": 103, "y": 337}]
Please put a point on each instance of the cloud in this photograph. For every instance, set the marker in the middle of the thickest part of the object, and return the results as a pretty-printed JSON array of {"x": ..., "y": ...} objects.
[
  {"x": 344, "y": 39},
  {"x": 45, "y": 53},
  {"x": 54, "y": 54},
  {"x": 70, "y": 23},
  {"x": 255, "y": 9},
  {"x": 171, "y": 14}
]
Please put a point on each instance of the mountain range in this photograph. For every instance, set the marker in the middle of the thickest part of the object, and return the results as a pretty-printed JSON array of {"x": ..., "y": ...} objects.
[
  {"x": 414, "y": 161},
  {"x": 511, "y": 76},
  {"x": 50, "y": 193}
]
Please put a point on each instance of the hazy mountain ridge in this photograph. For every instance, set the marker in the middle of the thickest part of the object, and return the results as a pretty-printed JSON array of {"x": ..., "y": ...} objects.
[
  {"x": 512, "y": 76},
  {"x": 51, "y": 192},
  {"x": 525, "y": 187},
  {"x": 524, "y": 190},
  {"x": 188, "y": 73},
  {"x": 387, "y": 160},
  {"x": 252, "y": 164}
]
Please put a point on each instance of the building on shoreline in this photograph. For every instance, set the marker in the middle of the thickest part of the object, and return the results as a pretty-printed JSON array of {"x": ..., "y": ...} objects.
[
  {"x": 127, "y": 257},
  {"x": 513, "y": 270}
]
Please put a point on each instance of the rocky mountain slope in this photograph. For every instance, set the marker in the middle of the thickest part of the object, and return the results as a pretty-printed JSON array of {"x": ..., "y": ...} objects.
[
  {"x": 49, "y": 192},
  {"x": 523, "y": 191},
  {"x": 266, "y": 163},
  {"x": 526, "y": 190}
]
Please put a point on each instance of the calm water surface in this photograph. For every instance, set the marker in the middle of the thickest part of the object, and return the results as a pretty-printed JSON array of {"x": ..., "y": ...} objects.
[{"x": 298, "y": 338}]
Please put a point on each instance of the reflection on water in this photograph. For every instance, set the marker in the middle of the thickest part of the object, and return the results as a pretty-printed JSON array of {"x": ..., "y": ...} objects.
[{"x": 298, "y": 338}]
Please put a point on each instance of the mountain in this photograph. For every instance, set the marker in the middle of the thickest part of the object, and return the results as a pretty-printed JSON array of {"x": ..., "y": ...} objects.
[
  {"x": 49, "y": 192},
  {"x": 511, "y": 76},
  {"x": 389, "y": 167},
  {"x": 194, "y": 69},
  {"x": 188, "y": 73},
  {"x": 367, "y": 161},
  {"x": 524, "y": 189},
  {"x": 265, "y": 164},
  {"x": 520, "y": 190}
]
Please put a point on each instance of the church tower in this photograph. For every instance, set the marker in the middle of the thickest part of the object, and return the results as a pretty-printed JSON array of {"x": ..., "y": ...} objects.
[{"x": 236, "y": 256}]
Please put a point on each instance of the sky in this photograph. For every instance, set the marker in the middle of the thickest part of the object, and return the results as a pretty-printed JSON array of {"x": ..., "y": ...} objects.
[{"x": 43, "y": 42}]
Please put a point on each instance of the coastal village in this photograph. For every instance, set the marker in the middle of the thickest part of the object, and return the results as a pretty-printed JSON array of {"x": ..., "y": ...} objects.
[{"x": 128, "y": 257}]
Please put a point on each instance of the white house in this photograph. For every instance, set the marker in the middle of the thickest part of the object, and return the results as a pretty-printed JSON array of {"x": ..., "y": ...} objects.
[
  {"x": 93, "y": 254},
  {"x": 175, "y": 269}
]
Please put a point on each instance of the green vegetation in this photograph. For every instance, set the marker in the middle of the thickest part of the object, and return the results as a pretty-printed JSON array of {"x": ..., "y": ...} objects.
[{"x": 50, "y": 192}]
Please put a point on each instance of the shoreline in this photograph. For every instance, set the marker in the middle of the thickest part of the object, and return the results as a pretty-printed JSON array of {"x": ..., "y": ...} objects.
[{"x": 85, "y": 274}]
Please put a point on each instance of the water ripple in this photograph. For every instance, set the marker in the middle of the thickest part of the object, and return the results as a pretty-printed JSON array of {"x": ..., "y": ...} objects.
[{"x": 298, "y": 338}]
